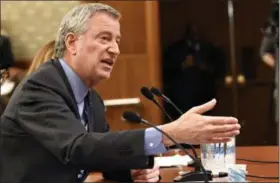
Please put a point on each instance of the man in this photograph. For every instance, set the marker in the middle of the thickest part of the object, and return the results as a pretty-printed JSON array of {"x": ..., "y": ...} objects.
[
  {"x": 10, "y": 74},
  {"x": 270, "y": 44},
  {"x": 268, "y": 50},
  {"x": 7, "y": 57},
  {"x": 53, "y": 127},
  {"x": 6, "y": 69}
]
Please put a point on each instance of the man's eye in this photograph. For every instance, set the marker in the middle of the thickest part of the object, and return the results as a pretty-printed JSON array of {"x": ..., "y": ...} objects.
[{"x": 104, "y": 38}]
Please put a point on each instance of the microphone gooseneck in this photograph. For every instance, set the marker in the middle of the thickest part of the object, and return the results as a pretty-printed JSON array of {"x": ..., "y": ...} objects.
[
  {"x": 193, "y": 176},
  {"x": 146, "y": 93},
  {"x": 158, "y": 93}
]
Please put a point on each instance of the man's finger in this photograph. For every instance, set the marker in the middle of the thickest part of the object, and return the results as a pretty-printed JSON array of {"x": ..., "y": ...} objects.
[
  {"x": 143, "y": 172},
  {"x": 204, "y": 107},
  {"x": 136, "y": 172},
  {"x": 227, "y": 134},
  {"x": 156, "y": 167},
  {"x": 219, "y": 140},
  {"x": 220, "y": 120},
  {"x": 148, "y": 175},
  {"x": 224, "y": 128},
  {"x": 147, "y": 171},
  {"x": 156, "y": 179},
  {"x": 137, "y": 180}
]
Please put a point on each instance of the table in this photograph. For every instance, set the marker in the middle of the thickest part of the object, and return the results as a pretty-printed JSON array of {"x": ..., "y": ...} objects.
[{"x": 262, "y": 153}]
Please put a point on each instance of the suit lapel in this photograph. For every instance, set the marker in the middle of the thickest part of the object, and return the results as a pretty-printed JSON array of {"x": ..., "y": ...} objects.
[
  {"x": 61, "y": 72},
  {"x": 97, "y": 111},
  {"x": 96, "y": 118}
]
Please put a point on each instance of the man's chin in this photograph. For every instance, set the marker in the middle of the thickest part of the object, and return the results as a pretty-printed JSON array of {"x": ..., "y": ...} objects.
[{"x": 105, "y": 76}]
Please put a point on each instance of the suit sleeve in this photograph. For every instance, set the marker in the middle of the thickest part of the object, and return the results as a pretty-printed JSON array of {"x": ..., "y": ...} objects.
[{"x": 44, "y": 114}]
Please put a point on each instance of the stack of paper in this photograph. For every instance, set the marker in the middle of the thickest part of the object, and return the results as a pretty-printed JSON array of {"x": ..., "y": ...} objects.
[{"x": 176, "y": 160}]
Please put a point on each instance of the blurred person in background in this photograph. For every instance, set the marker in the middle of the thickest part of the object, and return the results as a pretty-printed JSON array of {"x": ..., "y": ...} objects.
[
  {"x": 268, "y": 48},
  {"x": 44, "y": 54},
  {"x": 10, "y": 74},
  {"x": 7, "y": 59},
  {"x": 269, "y": 52},
  {"x": 191, "y": 67}
]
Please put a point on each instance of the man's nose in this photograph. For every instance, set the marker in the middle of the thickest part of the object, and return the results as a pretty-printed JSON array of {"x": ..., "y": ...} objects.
[{"x": 114, "y": 48}]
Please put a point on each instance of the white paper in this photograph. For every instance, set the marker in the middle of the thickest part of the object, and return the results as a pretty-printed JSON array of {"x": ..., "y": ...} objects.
[{"x": 176, "y": 160}]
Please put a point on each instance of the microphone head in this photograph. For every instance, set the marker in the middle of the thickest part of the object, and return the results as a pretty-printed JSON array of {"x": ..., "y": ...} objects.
[
  {"x": 156, "y": 92},
  {"x": 146, "y": 92},
  {"x": 131, "y": 117}
]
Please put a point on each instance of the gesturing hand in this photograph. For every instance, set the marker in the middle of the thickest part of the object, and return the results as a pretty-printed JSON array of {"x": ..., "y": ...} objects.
[{"x": 195, "y": 128}]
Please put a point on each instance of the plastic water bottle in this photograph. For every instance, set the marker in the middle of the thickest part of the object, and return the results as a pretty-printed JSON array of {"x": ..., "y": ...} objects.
[
  {"x": 214, "y": 158},
  {"x": 230, "y": 157}
]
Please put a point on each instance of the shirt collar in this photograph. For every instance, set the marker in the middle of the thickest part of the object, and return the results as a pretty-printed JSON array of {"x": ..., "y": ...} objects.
[{"x": 78, "y": 86}]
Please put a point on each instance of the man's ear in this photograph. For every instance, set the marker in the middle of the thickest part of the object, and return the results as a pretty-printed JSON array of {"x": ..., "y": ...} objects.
[{"x": 70, "y": 43}]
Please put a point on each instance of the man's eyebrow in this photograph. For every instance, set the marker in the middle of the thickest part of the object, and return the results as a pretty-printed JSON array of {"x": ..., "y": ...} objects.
[
  {"x": 109, "y": 33},
  {"x": 104, "y": 32}
]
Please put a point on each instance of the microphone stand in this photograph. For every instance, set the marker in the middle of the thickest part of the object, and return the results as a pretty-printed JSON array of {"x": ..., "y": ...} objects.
[
  {"x": 158, "y": 93},
  {"x": 200, "y": 174}
]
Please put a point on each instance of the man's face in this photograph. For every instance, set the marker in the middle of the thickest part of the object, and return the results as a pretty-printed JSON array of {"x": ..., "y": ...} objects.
[{"x": 98, "y": 48}]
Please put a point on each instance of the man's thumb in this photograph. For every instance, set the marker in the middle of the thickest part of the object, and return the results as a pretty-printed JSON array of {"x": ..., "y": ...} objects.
[{"x": 204, "y": 107}]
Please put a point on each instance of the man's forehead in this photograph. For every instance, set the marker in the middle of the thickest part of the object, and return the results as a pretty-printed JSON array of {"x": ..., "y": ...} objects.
[{"x": 105, "y": 23}]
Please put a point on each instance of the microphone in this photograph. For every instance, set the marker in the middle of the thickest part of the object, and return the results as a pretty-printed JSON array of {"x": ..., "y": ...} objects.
[
  {"x": 149, "y": 95},
  {"x": 158, "y": 93},
  {"x": 146, "y": 92},
  {"x": 197, "y": 175}
]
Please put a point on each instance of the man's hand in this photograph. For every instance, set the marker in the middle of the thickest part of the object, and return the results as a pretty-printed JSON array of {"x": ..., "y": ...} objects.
[
  {"x": 269, "y": 59},
  {"x": 194, "y": 128},
  {"x": 146, "y": 175}
]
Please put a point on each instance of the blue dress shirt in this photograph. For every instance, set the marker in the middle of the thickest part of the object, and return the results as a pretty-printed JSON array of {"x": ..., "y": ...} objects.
[{"x": 153, "y": 139}]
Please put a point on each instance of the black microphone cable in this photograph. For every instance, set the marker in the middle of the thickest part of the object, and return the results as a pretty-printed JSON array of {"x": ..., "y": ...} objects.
[
  {"x": 258, "y": 161},
  {"x": 262, "y": 177},
  {"x": 158, "y": 93},
  {"x": 146, "y": 93}
]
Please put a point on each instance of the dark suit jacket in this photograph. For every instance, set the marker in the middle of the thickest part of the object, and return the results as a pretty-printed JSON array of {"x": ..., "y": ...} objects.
[{"x": 43, "y": 140}]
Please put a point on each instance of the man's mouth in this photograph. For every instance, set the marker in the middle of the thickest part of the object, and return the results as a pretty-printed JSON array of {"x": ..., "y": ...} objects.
[{"x": 108, "y": 62}]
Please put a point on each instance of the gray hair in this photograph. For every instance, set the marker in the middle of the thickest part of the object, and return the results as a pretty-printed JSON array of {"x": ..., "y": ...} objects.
[{"x": 75, "y": 22}]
